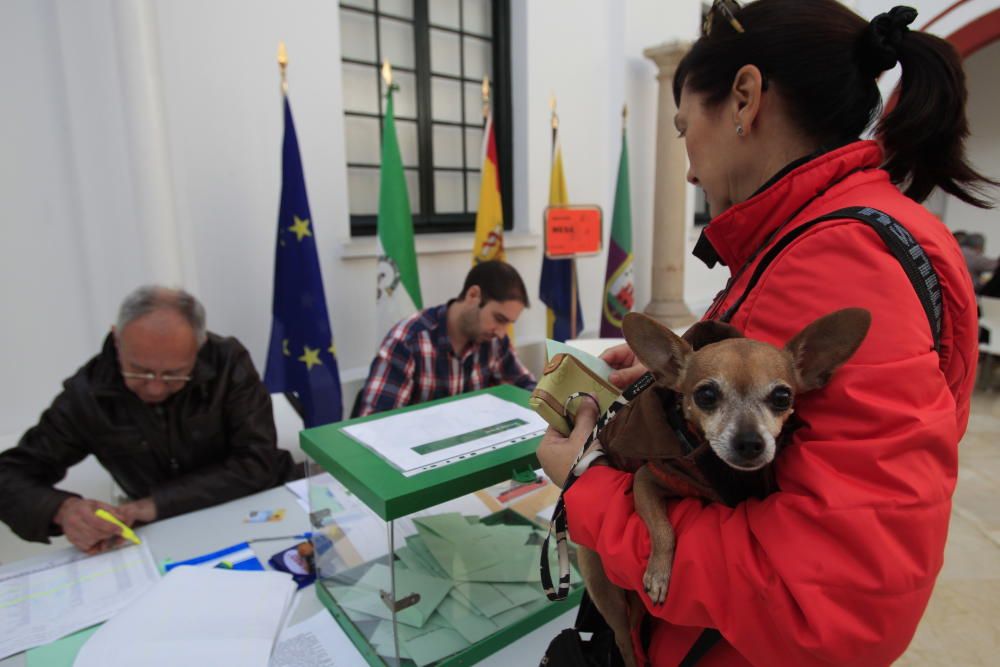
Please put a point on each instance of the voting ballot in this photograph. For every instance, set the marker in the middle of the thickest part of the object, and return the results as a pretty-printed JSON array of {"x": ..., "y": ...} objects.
[{"x": 457, "y": 578}]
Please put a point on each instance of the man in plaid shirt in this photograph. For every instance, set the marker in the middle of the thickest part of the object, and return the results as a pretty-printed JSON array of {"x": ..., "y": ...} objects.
[{"x": 453, "y": 348}]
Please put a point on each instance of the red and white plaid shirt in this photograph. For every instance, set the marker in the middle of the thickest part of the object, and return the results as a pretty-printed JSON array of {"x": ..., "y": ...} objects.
[{"x": 416, "y": 363}]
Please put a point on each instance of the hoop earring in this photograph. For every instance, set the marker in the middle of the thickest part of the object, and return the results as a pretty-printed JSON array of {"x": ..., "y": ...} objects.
[{"x": 739, "y": 130}]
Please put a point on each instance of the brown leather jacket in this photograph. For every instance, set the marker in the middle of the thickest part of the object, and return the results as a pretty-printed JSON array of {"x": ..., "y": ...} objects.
[{"x": 210, "y": 442}]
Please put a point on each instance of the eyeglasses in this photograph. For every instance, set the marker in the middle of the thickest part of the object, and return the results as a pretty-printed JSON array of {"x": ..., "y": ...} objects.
[
  {"x": 727, "y": 9},
  {"x": 151, "y": 377}
]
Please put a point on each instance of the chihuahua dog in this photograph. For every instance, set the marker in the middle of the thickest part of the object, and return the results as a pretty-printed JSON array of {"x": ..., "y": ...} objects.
[{"x": 733, "y": 397}]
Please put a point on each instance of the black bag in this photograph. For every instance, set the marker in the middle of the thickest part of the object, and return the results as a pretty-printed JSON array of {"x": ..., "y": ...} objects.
[{"x": 569, "y": 649}]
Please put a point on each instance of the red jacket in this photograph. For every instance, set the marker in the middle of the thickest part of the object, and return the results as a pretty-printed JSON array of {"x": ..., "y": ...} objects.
[{"x": 838, "y": 566}]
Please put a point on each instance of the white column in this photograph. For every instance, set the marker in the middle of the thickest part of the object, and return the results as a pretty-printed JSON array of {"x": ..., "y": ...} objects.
[{"x": 669, "y": 198}]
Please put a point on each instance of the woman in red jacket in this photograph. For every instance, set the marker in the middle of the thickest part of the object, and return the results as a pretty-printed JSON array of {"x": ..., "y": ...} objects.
[{"x": 837, "y": 567}]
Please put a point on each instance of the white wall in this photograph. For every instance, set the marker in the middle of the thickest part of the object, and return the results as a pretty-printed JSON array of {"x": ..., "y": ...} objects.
[{"x": 984, "y": 151}]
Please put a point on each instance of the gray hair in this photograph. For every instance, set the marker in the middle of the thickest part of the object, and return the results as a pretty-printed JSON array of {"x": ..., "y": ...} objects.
[{"x": 149, "y": 298}]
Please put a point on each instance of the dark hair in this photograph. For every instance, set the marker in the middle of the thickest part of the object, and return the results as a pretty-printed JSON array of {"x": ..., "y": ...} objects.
[
  {"x": 498, "y": 281},
  {"x": 824, "y": 60}
]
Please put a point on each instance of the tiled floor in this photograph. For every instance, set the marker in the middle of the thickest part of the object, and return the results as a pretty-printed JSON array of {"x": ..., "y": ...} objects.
[{"x": 962, "y": 625}]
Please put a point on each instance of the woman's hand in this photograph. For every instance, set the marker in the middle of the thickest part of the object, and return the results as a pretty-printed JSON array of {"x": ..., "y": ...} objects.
[
  {"x": 557, "y": 454},
  {"x": 627, "y": 367}
]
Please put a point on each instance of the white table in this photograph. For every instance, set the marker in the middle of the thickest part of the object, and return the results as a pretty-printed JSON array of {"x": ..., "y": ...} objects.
[{"x": 222, "y": 526}]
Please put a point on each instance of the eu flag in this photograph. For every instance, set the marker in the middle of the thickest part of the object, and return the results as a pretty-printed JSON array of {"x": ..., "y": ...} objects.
[{"x": 301, "y": 357}]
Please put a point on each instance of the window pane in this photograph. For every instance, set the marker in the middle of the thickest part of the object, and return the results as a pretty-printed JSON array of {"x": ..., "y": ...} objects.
[
  {"x": 473, "y": 148},
  {"x": 473, "y": 180},
  {"x": 406, "y": 97},
  {"x": 397, "y": 7},
  {"x": 362, "y": 135},
  {"x": 444, "y": 53},
  {"x": 476, "y": 17},
  {"x": 446, "y": 99},
  {"x": 406, "y": 133},
  {"x": 444, "y": 12},
  {"x": 413, "y": 188},
  {"x": 397, "y": 42},
  {"x": 357, "y": 35},
  {"x": 474, "y": 103},
  {"x": 360, "y": 88},
  {"x": 448, "y": 191},
  {"x": 447, "y": 146},
  {"x": 478, "y": 58},
  {"x": 362, "y": 190},
  {"x": 365, "y": 4}
]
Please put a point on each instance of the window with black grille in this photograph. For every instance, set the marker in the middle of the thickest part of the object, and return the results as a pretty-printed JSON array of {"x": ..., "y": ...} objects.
[{"x": 439, "y": 50}]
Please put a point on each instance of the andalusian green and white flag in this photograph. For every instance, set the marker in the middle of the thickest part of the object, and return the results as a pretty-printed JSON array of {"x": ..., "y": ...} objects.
[
  {"x": 398, "y": 280},
  {"x": 619, "y": 285}
]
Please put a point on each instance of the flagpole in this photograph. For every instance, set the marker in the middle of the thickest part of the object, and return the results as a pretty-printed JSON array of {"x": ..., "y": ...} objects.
[
  {"x": 290, "y": 396},
  {"x": 486, "y": 99},
  {"x": 283, "y": 64},
  {"x": 572, "y": 260}
]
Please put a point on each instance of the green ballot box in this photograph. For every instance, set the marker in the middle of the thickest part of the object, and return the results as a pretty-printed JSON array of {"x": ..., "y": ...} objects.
[{"x": 415, "y": 557}]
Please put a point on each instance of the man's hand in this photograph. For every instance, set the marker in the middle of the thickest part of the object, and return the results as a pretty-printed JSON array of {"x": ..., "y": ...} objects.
[
  {"x": 627, "y": 367},
  {"x": 83, "y": 529},
  {"x": 557, "y": 453},
  {"x": 138, "y": 511}
]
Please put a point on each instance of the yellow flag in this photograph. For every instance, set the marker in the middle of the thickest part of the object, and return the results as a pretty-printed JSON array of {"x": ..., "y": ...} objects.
[{"x": 489, "y": 218}]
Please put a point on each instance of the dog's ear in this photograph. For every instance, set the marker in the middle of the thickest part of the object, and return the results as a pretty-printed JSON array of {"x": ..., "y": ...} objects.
[
  {"x": 657, "y": 347},
  {"x": 821, "y": 348},
  {"x": 707, "y": 332}
]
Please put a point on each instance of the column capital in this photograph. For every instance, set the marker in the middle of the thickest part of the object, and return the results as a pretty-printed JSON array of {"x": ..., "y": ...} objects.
[{"x": 667, "y": 55}]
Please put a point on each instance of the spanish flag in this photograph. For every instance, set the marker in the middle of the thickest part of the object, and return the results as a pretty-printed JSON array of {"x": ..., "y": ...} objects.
[{"x": 489, "y": 218}]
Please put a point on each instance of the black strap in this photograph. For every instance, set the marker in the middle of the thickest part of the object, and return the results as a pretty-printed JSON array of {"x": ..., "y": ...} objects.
[
  {"x": 901, "y": 244},
  {"x": 557, "y": 525},
  {"x": 708, "y": 638}
]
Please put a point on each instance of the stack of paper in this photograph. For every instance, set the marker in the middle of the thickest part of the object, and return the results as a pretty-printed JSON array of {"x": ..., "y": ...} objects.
[
  {"x": 196, "y": 616},
  {"x": 473, "y": 579},
  {"x": 43, "y": 599}
]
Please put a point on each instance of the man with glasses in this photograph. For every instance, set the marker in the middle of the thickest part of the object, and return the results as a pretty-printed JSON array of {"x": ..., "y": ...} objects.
[{"x": 177, "y": 415}]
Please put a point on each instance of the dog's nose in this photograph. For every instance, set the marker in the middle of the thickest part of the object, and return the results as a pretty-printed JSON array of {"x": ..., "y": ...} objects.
[{"x": 749, "y": 445}]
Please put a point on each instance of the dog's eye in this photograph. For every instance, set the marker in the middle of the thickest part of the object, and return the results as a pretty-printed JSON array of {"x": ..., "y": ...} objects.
[
  {"x": 706, "y": 397},
  {"x": 781, "y": 398}
]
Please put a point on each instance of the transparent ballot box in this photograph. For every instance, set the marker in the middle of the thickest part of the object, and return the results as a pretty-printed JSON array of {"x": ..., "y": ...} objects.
[{"x": 427, "y": 528}]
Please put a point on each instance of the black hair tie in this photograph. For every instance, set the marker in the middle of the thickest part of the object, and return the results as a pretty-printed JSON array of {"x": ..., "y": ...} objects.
[{"x": 881, "y": 40}]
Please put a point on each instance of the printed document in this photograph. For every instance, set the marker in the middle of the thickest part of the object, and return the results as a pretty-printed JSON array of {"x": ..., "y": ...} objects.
[
  {"x": 428, "y": 438},
  {"x": 44, "y": 599}
]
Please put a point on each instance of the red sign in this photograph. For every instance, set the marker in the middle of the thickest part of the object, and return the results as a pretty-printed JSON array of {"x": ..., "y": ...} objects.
[{"x": 572, "y": 231}]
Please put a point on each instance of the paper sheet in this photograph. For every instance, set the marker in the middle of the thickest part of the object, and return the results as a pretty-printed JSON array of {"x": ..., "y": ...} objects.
[
  {"x": 365, "y": 531},
  {"x": 596, "y": 364},
  {"x": 315, "y": 642},
  {"x": 60, "y": 653},
  {"x": 428, "y": 438},
  {"x": 196, "y": 616},
  {"x": 43, "y": 600}
]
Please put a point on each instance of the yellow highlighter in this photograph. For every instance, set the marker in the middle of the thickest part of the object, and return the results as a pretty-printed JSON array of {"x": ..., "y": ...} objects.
[{"x": 111, "y": 518}]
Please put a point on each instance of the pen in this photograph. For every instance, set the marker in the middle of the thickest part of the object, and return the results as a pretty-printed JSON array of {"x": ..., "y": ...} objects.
[
  {"x": 300, "y": 536},
  {"x": 127, "y": 532}
]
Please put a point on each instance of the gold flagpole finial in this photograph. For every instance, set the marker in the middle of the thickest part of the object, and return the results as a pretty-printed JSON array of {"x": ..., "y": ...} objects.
[
  {"x": 387, "y": 73},
  {"x": 555, "y": 116},
  {"x": 283, "y": 64},
  {"x": 486, "y": 97}
]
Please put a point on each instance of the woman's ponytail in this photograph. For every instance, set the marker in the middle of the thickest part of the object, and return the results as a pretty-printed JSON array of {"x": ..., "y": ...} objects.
[{"x": 924, "y": 134}]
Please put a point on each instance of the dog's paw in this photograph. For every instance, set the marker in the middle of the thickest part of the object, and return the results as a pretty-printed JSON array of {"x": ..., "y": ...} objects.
[{"x": 656, "y": 580}]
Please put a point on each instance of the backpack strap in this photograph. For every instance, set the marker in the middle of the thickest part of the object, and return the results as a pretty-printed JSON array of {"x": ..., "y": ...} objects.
[{"x": 900, "y": 243}]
